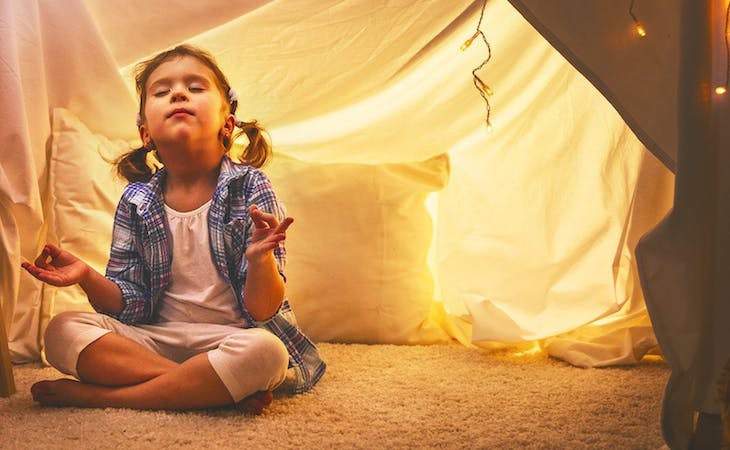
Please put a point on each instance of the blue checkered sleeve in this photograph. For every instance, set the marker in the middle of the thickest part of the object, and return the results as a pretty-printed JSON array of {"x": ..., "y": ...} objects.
[{"x": 126, "y": 266}]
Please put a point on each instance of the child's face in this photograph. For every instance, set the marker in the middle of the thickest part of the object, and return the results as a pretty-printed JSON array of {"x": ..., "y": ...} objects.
[{"x": 184, "y": 106}]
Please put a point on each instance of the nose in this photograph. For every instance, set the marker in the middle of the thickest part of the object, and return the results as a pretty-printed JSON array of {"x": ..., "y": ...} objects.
[{"x": 177, "y": 94}]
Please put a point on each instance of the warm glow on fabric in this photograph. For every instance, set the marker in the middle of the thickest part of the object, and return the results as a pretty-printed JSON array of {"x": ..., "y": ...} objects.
[
  {"x": 722, "y": 89},
  {"x": 531, "y": 234}
]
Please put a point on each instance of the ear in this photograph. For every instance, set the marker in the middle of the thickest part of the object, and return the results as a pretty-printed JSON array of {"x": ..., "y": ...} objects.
[
  {"x": 229, "y": 124},
  {"x": 144, "y": 135}
]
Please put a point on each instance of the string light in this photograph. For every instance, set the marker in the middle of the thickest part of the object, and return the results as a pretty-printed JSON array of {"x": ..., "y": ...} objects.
[
  {"x": 722, "y": 89},
  {"x": 468, "y": 42},
  {"x": 640, "y": 30},
  {"x": 484, "y": 90}
]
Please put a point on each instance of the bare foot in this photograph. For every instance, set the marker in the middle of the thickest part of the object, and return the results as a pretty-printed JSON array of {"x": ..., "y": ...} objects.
[
  {"x": 61, "y": 392},
  {"x": 255, "y": 403},
  {"x": 68, "y": 392}
]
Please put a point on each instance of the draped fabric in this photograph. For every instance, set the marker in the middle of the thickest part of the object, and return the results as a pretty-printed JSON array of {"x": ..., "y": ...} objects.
[
  {"x": 662, "y": 89},
  {"x": 532, "y": 227},
  {"x": 533, "y": 233},
  {"x": 47, "y": 60}
]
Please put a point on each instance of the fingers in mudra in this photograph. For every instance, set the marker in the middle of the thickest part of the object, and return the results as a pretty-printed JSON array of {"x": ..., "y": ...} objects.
[
  {"x": 266, "y": 220},
  {"x": 32, "y": 269},
  {"x": 41, "y": 263},
  {"x": 268, "y": 231},
  {"x": 46, "y": 275},
  {"x": 55, "y": 266}
]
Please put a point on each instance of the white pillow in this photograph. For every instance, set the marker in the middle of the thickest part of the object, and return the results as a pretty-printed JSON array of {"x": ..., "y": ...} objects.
[
  {"x": 84, "y": 193},
  {"x": 357, "y": 268}
]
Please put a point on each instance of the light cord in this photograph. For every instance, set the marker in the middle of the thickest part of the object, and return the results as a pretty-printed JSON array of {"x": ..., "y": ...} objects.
[
  {"x": 484, "y": 90},
  {"x": 640, "y": 30}
]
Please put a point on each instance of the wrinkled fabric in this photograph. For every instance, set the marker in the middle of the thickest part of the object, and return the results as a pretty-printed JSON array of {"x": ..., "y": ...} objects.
[{"x": 533, "y": 235}]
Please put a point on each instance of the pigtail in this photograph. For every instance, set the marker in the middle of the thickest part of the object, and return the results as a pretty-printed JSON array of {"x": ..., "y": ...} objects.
[
  {"x": 133, "y": 167},
  {"x": 258, "y": 150}
]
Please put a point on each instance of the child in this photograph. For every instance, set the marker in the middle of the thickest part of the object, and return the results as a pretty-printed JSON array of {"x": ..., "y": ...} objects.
[{"x": 193, "y": 307}]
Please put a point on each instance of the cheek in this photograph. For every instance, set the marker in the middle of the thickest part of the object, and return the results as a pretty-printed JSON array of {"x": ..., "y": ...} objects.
[{"x": 154, "y": 114}]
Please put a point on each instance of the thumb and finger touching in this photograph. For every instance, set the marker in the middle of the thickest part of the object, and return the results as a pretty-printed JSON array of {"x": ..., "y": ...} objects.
[
  {"x": 263, "y": 220},
  {"x": 50, "y": 266}
]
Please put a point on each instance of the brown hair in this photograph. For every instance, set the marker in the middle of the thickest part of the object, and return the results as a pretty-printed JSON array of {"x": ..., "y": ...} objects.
[{"x": 133, "y": 164}]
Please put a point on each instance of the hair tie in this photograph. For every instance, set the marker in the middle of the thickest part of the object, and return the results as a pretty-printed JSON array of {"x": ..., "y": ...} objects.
[
  {"x": 233, "y": 100},
  {"x": 232, "y": 95}
]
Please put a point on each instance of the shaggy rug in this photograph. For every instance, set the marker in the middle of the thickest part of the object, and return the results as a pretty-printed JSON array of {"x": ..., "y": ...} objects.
[{"x": 383, "y": 396}]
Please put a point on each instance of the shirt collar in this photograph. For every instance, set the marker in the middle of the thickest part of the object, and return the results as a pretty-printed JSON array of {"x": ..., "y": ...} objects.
[{"x": 150, "y": 193}]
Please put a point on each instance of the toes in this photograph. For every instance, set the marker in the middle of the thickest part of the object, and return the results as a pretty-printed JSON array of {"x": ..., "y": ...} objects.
[
  {"x": 250, "y": 406},
  {"x": 256, "y": 407},
  {"x": 52, "y": 392},
  {"x": 256, "y": 403},
  {"x": 41, "y": 390},
  {"x": 265, "y": 397}
]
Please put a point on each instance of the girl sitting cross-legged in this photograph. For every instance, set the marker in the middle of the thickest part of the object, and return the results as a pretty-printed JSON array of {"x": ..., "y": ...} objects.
[{"x": 192, "y": 311}]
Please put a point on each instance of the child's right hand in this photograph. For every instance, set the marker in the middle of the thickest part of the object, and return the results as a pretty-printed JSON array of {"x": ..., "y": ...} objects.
[
  {"x": 63, "y": 268},
  {"x": 268, "y": 233}
]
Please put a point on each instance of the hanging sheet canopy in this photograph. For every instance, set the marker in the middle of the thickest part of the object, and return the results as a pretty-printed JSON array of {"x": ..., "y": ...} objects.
[
  {"x": 533, "y": 225},
  {"x": 434, "y": 229}
]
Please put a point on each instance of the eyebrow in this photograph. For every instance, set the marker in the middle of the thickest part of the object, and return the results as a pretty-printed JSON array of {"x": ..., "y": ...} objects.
[{"x": 187, "y": 78}]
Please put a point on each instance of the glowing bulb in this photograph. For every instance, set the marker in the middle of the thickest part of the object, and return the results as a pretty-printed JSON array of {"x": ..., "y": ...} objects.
[
  {"x": 487, "y": 90},
  {"x": 468, "y": 42},
  {"x": 489, "y": 127},
  {"x": 720, "y": 90},
  {"x": 640, "y": 30}
]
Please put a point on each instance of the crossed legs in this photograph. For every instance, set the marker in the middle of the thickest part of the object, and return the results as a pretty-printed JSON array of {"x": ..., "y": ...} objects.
[{"x": 116, "y": 371}]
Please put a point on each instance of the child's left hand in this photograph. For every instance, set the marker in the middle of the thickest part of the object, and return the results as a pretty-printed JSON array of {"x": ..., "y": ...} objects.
[{"x": 268, "y": 233}]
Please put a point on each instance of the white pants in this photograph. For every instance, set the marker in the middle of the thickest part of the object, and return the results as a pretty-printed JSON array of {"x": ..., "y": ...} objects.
[{"x": 247, "y": 360}]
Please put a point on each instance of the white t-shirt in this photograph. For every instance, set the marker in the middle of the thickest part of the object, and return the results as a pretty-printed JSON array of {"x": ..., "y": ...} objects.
[{"x": 197, "y": 292}]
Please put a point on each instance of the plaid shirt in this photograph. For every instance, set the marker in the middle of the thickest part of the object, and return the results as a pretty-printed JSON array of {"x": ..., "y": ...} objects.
[{"x": 141, "y": 255}]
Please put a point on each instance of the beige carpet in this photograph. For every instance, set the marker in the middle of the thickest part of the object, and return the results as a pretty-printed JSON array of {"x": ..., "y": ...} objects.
[{"x": 390, "y": 397}]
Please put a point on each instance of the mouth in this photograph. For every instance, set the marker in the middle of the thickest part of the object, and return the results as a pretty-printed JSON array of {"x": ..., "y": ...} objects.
[{"x": 180, "y": 111}]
